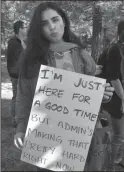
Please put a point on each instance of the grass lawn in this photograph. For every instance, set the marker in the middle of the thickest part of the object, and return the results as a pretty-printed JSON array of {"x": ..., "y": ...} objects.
[{"x": 10, "y": 155}]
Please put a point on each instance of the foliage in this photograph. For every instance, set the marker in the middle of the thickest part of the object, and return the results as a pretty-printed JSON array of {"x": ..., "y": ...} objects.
[{"x": 80, "y": 13}]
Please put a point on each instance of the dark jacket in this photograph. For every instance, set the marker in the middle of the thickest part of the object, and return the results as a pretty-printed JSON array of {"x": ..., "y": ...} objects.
[
  {"x": 26, "y": 87},
  {"x": 14, "y": 50},
  {"x": 113, "y": 72}
]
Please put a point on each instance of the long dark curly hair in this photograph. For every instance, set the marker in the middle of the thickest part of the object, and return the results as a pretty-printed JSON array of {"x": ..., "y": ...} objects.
[{"x": 37, "y": 46}]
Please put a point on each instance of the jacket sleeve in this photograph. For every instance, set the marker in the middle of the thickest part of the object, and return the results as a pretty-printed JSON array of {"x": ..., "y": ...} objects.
[
  {"x": 23, "y": 103},
  {"x": 113, "y": 64},
  {"x": 90, "y": 65},
  {"x": 13, "y": 51}
]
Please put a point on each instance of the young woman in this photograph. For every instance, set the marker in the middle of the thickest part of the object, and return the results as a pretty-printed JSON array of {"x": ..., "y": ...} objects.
[
  {"x": 115, "y": 75},
  {"x": 49, "y": 42}
]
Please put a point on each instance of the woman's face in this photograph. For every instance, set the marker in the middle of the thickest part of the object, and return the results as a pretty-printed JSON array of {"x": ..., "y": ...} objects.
[{"x": 52, "y": 26}]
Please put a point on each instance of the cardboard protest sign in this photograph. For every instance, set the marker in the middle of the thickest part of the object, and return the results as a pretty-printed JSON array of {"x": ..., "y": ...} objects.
[{"x": 62, "y": 119}]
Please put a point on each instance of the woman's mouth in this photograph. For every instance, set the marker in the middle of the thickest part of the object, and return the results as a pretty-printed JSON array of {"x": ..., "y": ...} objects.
[{"x": 54, "y": 34}]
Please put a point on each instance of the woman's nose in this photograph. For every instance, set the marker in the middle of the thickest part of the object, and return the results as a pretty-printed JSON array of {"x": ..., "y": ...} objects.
[{"x": 51, "y": 25}]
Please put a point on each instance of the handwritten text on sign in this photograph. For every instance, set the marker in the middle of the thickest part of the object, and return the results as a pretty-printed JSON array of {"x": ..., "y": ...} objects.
[{"x": 62, "y": 119}]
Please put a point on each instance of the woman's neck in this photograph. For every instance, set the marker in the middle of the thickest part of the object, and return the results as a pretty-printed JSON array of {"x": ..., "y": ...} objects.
[{"x": 56, "y": 43}]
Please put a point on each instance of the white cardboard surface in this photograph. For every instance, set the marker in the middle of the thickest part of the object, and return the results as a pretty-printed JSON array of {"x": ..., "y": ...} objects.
[{"x": 62, "y": 119}]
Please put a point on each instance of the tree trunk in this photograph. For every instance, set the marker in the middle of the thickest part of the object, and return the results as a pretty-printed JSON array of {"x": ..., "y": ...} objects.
[
  {"x": 97, "y": 28},
  {"x": 105, "y": 38}
]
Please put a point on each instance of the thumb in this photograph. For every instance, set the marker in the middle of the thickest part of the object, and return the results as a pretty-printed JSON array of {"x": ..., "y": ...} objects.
[
  {"x": 17, "y": 144},
  {"x": 18, "y": 140}
]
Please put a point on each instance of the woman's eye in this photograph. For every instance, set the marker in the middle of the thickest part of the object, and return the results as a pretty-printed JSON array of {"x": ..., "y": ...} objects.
[
  {"x": 55, "y": 20},
  {"x": 44, "y": 23}
]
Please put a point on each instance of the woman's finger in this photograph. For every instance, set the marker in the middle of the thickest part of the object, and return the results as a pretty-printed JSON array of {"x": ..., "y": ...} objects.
[
  {"x": 18, "y": 143},
  {"x": 106, "y": 97},
  {"x": 109, "y": 89},
  {"x": 107, "y": 85},
  {"x": 108, "y": 93},
  {"x": 15, "y": 143}
]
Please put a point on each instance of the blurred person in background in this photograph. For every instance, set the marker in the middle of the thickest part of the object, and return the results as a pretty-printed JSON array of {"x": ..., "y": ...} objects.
[
  {"x": 115, "y": 75},
  {"x": 15, "y": 47}
]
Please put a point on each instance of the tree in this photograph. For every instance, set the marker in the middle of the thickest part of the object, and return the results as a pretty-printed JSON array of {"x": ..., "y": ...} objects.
[
  {"x": 88, "y": 19},
  {"x": 12, "y": 11},
  {"x": 97, "y": 28}
]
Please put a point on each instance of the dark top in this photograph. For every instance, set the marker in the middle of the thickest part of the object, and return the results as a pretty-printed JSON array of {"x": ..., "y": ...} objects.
[
  {"x": 14, "y": 50},
  {"x": 114, "y": 72},
  {"x": 114, "y": 64}
]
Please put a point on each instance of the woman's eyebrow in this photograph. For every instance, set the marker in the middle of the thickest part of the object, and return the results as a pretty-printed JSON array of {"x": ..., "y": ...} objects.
[
  {"x": 51, "y": 18},
  {"x": 55, "y": 17}
]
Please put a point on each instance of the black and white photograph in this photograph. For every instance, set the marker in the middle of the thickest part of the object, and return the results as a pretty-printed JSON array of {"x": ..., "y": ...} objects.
[{"x": 62, "y": 85}]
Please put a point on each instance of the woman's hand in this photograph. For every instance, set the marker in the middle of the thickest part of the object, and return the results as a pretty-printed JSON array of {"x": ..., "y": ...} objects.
[
  {"x": 107, "y": 93},
  {"x": 19, "y": 140},
  {"x": 98, "y": 69}
]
